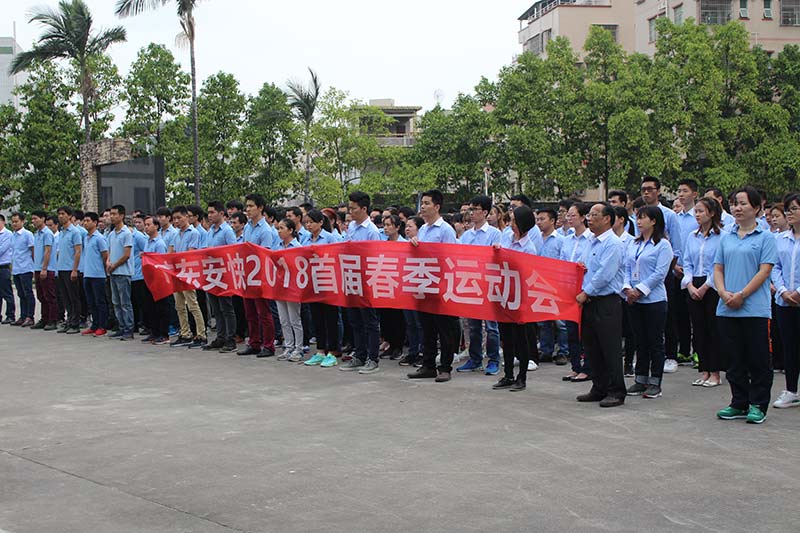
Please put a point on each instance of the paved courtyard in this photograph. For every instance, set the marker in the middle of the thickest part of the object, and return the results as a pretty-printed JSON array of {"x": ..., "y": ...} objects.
[{"x": 102, "y": 436}]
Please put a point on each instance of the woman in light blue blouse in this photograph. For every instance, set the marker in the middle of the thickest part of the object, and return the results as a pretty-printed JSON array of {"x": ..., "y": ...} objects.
[
  {"x": 324, "y": 316},
  {"x": 698, "y": 279},
  {"x": 289, "y": 312},
  {"x": 786, "y": 279},
  {"x": 647, "y": 262},
  {"x": 742, "y": 269},
  {"x": 393, "y": 321}
]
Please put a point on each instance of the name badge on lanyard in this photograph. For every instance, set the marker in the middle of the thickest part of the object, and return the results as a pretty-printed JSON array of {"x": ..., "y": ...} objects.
[{"x": 635, "y": 275}]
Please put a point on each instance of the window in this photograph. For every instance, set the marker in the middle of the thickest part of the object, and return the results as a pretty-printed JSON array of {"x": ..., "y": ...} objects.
[
  {"x": 610, "y": 27},
  {"x": 715, "y": 11},
  {"x": 677, "y": 14},
  {"x": 547, "y": 35},
  {"x": 743, "y": 12},
  {"x": 534, "y": 44},
  {"x": 790, "y": 12},
  {"x": 652, "y": 31},
  {"x": 767, "y": 9}
]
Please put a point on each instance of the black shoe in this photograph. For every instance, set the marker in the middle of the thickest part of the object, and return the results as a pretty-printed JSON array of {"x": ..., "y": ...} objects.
[
  {"x": 180, "y": 341},
  {"x": 611, "y": 401},
  {"x": 72, "y": 331},
  {"x": 517, "y": 386},
  {"x": 149, "y": 338},
  {"x": 395, "y": 354},
  {"x": 560, "y": 360},
  {"x": 52, "y": 326},
  {"x": 8, "y": 321},
  {"x": 38, "y": 325},
  {"x": 503, "y": 383},
  {"x": 547, "y": 358},
  {"x": 63, "y": 329},
  {"x": 589, "y": 397},
  {"x": 423, "y": 373},
  {"x": 265, "y": 352},
  {"x": 197, "y": 342},
  {"x": 216, "y": 345},
  {"x": 637, "y": 389},
  {"x": 408, "y": 360},
  {"x": 629, "y": 372},
  {"x": 443, "y": 377},
  {"x": 228, "y": 348},
  {"x": 249, "y": 350}
]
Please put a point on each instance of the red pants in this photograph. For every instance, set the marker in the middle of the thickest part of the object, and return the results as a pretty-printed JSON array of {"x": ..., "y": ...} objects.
[
  {"x": 46, "y": 294},
  {"x": 259, "y": 323}
]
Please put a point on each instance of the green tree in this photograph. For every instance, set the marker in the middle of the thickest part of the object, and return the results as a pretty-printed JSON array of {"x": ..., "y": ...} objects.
[
  {"x": 177, "y": 148},
  {"x": 304, "y": 99},
  {"x": 786, "y": 77},
  {"x": 185, "y": 9},
  {"x": 156, "y": 89}
]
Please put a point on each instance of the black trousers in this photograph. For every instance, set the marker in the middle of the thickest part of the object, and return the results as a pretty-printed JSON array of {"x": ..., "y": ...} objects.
[
  {"x": 393, "y": 327},
  {"x": 704, "y": 328},
  {"x": 222, "y": 307},
  {"x": 679, "y": 330},
  {"x": 138, "y": 288},
  {"x": 746, "y": 341},
  {"x": 326, "y": 324},
  {"x": 602, "y": 340},
  {"x": 648, "y": 322},
  {"x": 439, "y": 332},
  {"x": 71, "y": 296},
  {"x": 789, "y": 323},
  {"x": 241, "y": 319},
  {"x": 309, "y": 326},
  {"x": 519, "y": 341},
  {"x": 156, "y": 314},
  {"x": 776, "y": 337}
]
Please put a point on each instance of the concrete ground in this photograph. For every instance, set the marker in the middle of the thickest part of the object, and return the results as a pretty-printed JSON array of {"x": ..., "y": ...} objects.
[{"x": 102, "y": 436}]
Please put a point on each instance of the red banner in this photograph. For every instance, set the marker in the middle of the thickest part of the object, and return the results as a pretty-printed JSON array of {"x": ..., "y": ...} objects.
[{"x": 451, "y": 279}]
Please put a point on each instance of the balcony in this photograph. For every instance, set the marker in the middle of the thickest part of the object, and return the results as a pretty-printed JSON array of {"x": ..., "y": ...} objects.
[
  {"x": 539, "y": 9},
  {"x": 397, "y": 139}
]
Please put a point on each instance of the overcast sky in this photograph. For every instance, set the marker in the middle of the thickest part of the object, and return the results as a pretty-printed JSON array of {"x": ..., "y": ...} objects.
[{"x": 373, "y": 49}]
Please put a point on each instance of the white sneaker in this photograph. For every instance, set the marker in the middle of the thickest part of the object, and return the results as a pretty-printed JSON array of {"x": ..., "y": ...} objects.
[
  {"x": 532, "y": 366},
  {"x": 461, "y": 357},
  {"x": 670, "y": 366},
  {"x": 787, "y": 399}
]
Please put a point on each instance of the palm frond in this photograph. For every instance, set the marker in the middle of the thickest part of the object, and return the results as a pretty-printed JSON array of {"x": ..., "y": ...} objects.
[
  {"x": 99, "y": 43},
  {"x": 129, "y": 8},
  {"x": 303, "y": 97}
]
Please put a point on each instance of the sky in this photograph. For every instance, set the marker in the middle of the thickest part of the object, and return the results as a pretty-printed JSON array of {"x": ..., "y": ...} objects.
[{"x": 409, "y": 51}]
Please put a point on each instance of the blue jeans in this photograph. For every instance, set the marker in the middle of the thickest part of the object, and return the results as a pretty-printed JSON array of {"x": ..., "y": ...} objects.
[
  {"x": 121, "y": 298},
  {"x": 95, "y": 290},
  {"x": 547, "y": 339},
  {"x": 24, "y": 284},
  {"x": 476, "y": 341},
  {"x": 413, "y": 333},
  {"x": 7, "y": 294},
  {"x": 366, "y": 332}
]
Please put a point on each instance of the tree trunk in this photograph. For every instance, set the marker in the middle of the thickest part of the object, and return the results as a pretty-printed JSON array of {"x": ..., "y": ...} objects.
[
  {"x": 307, "y": 186},
  {"x": 196, "y": 145}
]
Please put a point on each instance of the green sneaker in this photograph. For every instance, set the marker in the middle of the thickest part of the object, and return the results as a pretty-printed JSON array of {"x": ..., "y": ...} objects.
[
  {"x": 329, "y": 361},
  {"x": 731, "y": 413},
  {"x": 755, "y": 415},
  {"x": 314, "y": 361}
]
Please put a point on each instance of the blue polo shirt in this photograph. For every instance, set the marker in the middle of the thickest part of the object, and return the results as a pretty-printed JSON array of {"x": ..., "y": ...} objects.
[
  {"x": 221, "y": 235},
  {"x": 41, "y": 240},
  {"x": 139, "y": 243},
  {"x": 603, "y": 258},
  {"x": 168, "y": 235},
  {"x": 741, "y": 259},
  {"x": 68, "y": 239},
  {"x": 786, "y": 273},
  {"x": 155, "y": 246},
  {"x": 93, "y": 248},
  {"x": 524, "y": 245},
  {"x": 324, "y": 237},
  {"x": 23, "y": 260},
  {"x": 366, "y": 231},
  {"x": 118, "y": 240},
  {"x": 186, "y": 240},
  {"x": 486, "y": 235},
  {"x": 83, "y": 233},
  {"x": 303, "y": 235},
  {"x": 551, "y": 246},
  {"x": 201, "y": 231},
  {"x": 6, "y": 246},
  {"x": 259, "y": 234},
  {"x": 646, "y": 267},
  {"x": 438, "y": 231},
  {"x": 687, "y": 224},
  {"x": 294, "y": 243},
  {"x": 53, "y": 266}
]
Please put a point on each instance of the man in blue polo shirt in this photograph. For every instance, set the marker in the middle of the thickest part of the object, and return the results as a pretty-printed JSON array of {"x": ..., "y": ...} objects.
[
  {"x": 120, "y": 269},
  {"x": 221, "y": 234},
  {"x": 95, "y": 256},
  {"x": 155, "y": 314},
  {"x": 22, "y": 267},
  {"x": 44, "y": 256},
  {"x": 6, "y": 256},
  {"x": 138, "y": 287},
  {"x": 186, "y": 240}
]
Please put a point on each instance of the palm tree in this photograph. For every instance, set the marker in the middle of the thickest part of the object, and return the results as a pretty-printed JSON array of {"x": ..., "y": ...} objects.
[
  {"x": 185, "y": 8},
  {"x": 304, "y": 99},
  {"x": 68, "y": 35}
]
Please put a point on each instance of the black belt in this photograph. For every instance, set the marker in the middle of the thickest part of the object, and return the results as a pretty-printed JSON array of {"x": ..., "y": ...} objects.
[{"x": 5, "y": 267}]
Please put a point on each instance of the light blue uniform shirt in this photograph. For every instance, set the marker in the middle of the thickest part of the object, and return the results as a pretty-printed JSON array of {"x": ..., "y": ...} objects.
[
  {"x": 41, "y": 240},
  {"x": 221, "y": 235},
  {"x": 259, "y": 234},
  {"x": 139, "y": 243},
  {"x": 68, "y": 239},
  {"x": 168, "y": 235},
  {"x": 303, "y": 235},
  {"x": 439, "y": 231},
  {"x": 294, "y": 243},
  {"x": 551, "y": 245},
  {"x": 155, "y": 246},
  {"x": 186, "y": 240},
  {"x": 574, "y": 245},
  {"x": 741, "y": 259},
  {"x": 201, "y": 231},
  {"x": 53, "y": 266},
  {"x": 698, "y": 256},
  {"x": 524, "y": 245},
  {"x": 83, "y": 231},
  {"x": 603, "y": 258},
  {"x": 646, "y": 267},
  {"x": 6, "y": 246},
  {"x": 688, "y": 224},
  {"x": 486, "y": 235},
  {"x": 366, "y": 231},
  {"x": 534, "y": 234},
  {"x": 786, "y": 272},
  {"x": 673, "y": 230},
  {"x": 324, "y": 237},
  {"x": 117, "y": 242},
  {"x": 93, "y": 248},
  {"x": 728, "y": 221},
  {"x": 23, "y": 259}
]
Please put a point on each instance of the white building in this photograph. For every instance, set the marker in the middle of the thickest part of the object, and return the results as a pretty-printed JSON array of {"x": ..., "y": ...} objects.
[{"x": 8, "y": 50}]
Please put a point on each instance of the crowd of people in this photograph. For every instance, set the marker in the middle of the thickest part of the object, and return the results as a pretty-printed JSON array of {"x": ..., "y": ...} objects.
[{"x": 712, "y": 282}]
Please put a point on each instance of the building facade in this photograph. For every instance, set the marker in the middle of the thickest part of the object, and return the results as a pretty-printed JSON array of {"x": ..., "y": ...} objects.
[{"x": 8, "y": 51}]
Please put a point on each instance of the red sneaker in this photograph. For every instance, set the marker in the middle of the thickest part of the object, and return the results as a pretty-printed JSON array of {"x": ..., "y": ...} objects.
[
  {"x": 89, "y": 331},
  {"x": 99, "y": 332}
]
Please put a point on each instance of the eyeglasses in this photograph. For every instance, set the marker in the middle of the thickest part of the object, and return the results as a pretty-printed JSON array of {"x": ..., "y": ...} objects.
[{"x": 648, "y": 189}]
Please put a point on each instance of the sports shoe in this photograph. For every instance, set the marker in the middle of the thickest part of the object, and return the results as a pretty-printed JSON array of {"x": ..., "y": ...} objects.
[
  {"x": 670, "y": 366},
  {"x": 653, "y": 391},
  {"x": 352, "y": 365},
  {"x": 216, "y": 344},
  {"x": 637, "y": 389},
  {"x": 493, "y": 368},
  {"x": 316, "y": 360},
  {"x": 160, "y": 340},
  {"x": 329, "y": 361},
  {"x": 532, "y": 366},
  {"x": 180, "y": 341},
  {"x": 88, "y": 331},
  {"x": 149, "y": 338},
  {"x": 470, "y": 366},
  {"x": 100, "y": 332},
  {"x": 249, "y": 350},
  {"x": 306, "y": 349},
  {"x": 731, "y": 413},
  {"x": 787, "y": 399},
  {"x": 755, "y": 415},
  {"x": 517, "y": 386},
  {"x": 73, "y": 331},
  {"x": 126, "y": 336},
  {"x": 116, "y": 334},
  {"x": 266, "y": 351},
  {"x": 52, "y": 326},
  {"x": 38, "y": 325},
  {"x": 503, "y": 383},
  {"x": 369, "y": 368},
  {"x": 173, "y": 331},
  {"x": 284, "y": 355},
  {"x": 629, "y": 372},
  {"x": 296, "y": 357},
  {"x": 228, "y": 348},
  {"x": 560, "y": 360},
  {"x": 197, "y": 342},
  {"x": 685, "y": 359}
]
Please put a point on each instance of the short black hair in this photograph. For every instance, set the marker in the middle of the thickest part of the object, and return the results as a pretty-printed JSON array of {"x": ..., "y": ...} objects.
[
  {"x": 51, "y": 218},
  {"x": 216, "y": 205},
  {"x": 39, "y": 213},
  {"x": 566, "y": 203},
  {"x": 196, "y": 210},
  {"x": 549, "y": 211},
  {"x": 407, "y": 211},
  {"x": 91, "y": 215},
  {"x": 296, "y": 211},
  {"x": 19, "y": 215},
  {"x": 182, "y": 209},
  {"x": 78, "y": 214},
  {"x": 653, "y": 212},
  {"x": 256, "y": 199},
  {"x": 240, "y": 217},
  {"x": 120, "y": 209},
  {"x": 435, "y": 195},
  {"x": 753, "y": 197},
  {"x": 689, "y": 182},
  {"x": 623, "y": 196},
  {"x": 521, "y": 198},
  {"x": 359, "y": 197},
  {"x": 2, "y": 217},
  {"x": 140, "y": 214},
  {"x": 582, "y": 208},
  {"x": 308, "y": 206},
  {"x": 652, "y": 179},
  {"x": 483, "y": 201},
  {"x": 66, "y": 209},
  {"x": 234, "y": 204},
  {"x": 608, "y": 211},
  {"x": 164, "y": 212},
  {"x": 620, "y": 212}
]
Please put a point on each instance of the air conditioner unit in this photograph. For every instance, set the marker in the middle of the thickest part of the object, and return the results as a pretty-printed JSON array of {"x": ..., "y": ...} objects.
[
  {"x": 767, "y": 12},
  {"x": 743, "y": 13}
]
